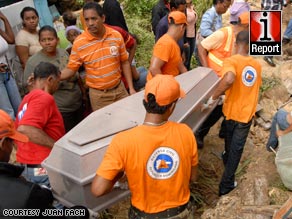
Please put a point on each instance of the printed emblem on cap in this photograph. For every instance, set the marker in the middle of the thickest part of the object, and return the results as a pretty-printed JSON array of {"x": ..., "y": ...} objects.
[
  {"x": 114, "y": 50},
  {"x": 163, "y": 163},
  {"x": 249, "y": 76}
]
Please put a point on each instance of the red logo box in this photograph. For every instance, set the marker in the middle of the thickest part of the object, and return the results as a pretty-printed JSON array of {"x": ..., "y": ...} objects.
[{"x": 265, "y": 33}]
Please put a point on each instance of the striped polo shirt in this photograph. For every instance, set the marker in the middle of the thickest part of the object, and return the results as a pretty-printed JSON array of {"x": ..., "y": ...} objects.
[{"x": 101, "y": 58}]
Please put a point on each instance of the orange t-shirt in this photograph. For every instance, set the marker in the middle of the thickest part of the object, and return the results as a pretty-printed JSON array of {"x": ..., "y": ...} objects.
[
  {"x": 101, "y": 58},
  {"x": 167, "y": 49},
  {"x": 157, "y": 161},
  {"x": 242, "y": 97}
]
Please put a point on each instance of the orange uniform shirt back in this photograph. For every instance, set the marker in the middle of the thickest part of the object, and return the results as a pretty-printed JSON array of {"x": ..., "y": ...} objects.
[
  {"x": 242, "y": 97},
  {"x": 167, "y": 49},
  {"x": 157, "y": 161},
  {"x": 101, "y": 58}
]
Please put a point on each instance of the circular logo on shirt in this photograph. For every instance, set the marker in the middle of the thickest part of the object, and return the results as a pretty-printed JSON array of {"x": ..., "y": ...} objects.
[
  {"x": 163, "y": 163},
  {"x": 114, "y": 50},
  {"x": 249, "y": 76}
]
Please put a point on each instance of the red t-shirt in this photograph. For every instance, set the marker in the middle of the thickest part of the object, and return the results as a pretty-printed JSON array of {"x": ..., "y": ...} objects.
[{"x": 38, "y": 109}]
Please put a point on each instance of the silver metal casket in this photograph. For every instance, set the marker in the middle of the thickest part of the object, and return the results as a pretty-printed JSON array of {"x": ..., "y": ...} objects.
[{"x": 75, "y": 157}]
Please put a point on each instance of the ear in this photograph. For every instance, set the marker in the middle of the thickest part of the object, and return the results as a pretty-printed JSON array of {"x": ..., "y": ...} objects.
[
  {"x": 50, "y": 79},
  {"x": 103, "y": 18}
]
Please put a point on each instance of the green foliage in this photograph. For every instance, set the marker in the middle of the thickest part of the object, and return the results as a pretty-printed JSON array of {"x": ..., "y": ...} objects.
[
  {"x": 139, "y": 8},
  {"x": 138, "y": 17},
  {"x": 268, "y": 83}
]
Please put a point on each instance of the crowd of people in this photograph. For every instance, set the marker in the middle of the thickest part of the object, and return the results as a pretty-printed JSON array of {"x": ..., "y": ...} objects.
[{"x": 159, "y": 157}]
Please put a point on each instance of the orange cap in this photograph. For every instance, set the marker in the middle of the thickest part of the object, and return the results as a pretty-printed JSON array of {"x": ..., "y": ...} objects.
[
  {"x": 165, "y": 89},
  {"x": 178, "y": 17},
  {"x": 7, "y": 128},
  {"x": 244, "y": 17}
]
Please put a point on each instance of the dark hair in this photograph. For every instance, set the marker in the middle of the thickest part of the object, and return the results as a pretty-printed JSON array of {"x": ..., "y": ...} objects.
[
  {"x": 69, "y": 18},
  {"x": 242, "y": 37},
  {"x": 176, "y": 3},
  {"x": 45, "y": 69},
  {"x": 215, "y": 2},
  {"x": 26, "y": 9},
  {"x": 48, "y": 28},
  {"x": 152, "y": 107},
  {"x": 95, "y": 6}
]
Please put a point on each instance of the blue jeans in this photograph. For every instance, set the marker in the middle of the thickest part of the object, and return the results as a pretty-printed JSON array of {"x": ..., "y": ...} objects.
[
  {"x": 29, "y": 175},
  {"x": 140, "y": 83},
  {"x": 235, "y": 138},
  {"x": 280, "y": 119},
  {"x": 288, "y": 31},
  {"x": 9, "y": 94}
]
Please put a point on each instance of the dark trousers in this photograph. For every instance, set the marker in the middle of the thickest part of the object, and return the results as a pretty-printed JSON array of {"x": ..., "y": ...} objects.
[
  {"x": 210, "y": 121},
  {"x": 71, "y": 119},
  {"x": 189, "y": 51},
  {"x": 235, "y": 138}
]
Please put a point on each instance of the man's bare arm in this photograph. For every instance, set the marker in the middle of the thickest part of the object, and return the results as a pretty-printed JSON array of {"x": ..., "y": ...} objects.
[
  {"x": 224, "y": 84},
  {"x": 37, "y": 135},
  {"x": 203, "y": 53},
  {"x": 101, "y": 186},
  {"x": 132, "y": 52},
  {"x": 182, "y": 68},
  {"x": 284, "y": 132},
  {"x": 194, "y": 173},
  {"x": 67, "y": 73},
  {"x": 156, "y": 66},
  {"x": 126, "y": 68}
]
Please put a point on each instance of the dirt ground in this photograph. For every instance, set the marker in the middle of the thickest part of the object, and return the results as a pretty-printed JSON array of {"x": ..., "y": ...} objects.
[{"x": 260, "y": 190}]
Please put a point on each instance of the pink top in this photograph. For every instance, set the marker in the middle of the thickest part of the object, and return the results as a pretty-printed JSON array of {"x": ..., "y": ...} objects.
[{"x": 191, "y": 18}]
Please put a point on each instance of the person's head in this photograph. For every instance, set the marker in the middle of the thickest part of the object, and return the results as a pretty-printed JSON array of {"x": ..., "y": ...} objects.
[
  {"x": 94, "y": 18},
  {"x": 72, "y": 32},
  {"x": 243, "y": 20},
  {"x": 178, "y": 5},
  {"x": 47, "y": 77},
  {"x": 30, "y": 18},
  {"x": 161, "y": 94},
  {"x": 242, "y": 41},
  {"x": 48, "y": 39},
  {"x": 69, "y": 18},
  {"x": 221, "y": 6},
  {"x": 8, "y": 133},
  {"x": 177, "y": 20}
]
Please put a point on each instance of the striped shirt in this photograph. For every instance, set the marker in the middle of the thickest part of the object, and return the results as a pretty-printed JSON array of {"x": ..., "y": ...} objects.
[{"x": 101, "y": 58}]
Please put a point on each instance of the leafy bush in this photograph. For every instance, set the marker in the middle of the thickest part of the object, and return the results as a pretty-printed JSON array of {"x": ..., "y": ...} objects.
[{"x": 139, "y": 8}]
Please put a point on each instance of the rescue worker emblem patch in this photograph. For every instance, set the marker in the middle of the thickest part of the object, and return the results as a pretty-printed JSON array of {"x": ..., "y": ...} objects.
[
  {"x": 249, "y": 76},
  {"x": 163, "y": 163}
]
